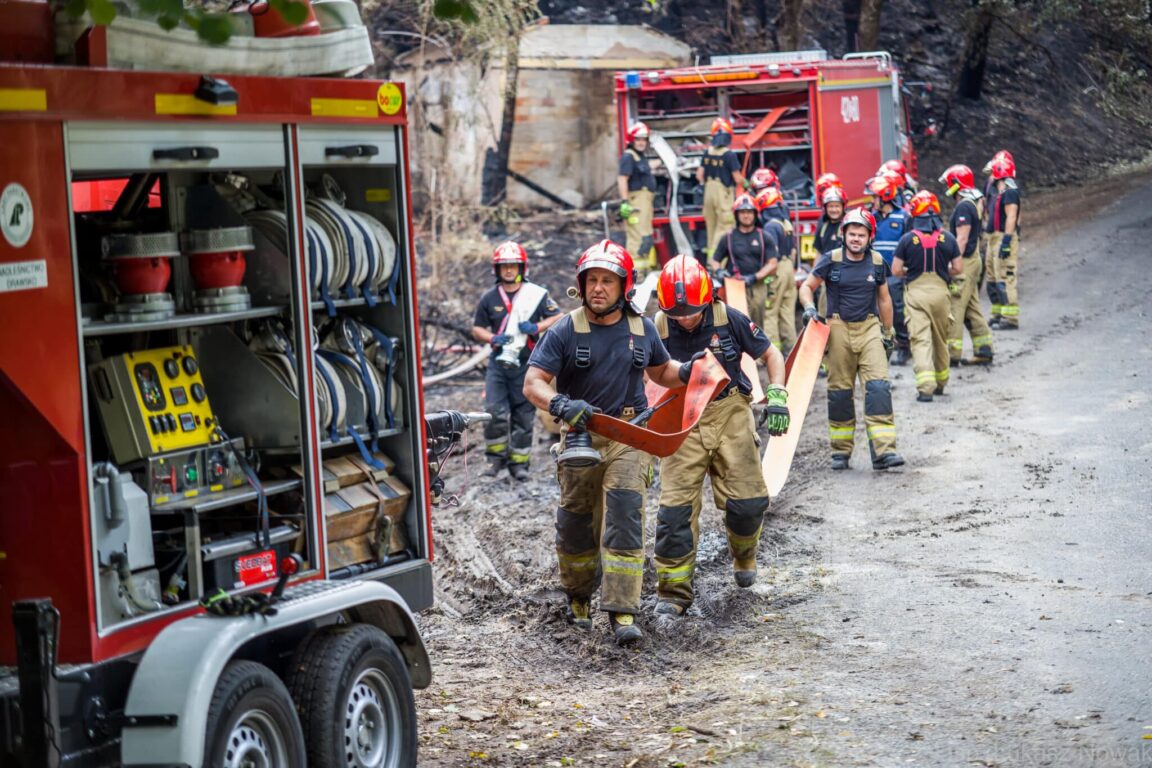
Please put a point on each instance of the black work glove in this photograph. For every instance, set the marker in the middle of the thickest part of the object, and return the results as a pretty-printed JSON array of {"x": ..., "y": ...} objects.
[
  {"x": 750, "y": 280},
  {"x": 888, "y": 337},
  {"x": 686, "y": 368},
  {"x": 574, "y": 413},
  {"x": 722, "y": 274},
  {"x": 810, "y": 314},
  {"x": 1006, "y": 247}
]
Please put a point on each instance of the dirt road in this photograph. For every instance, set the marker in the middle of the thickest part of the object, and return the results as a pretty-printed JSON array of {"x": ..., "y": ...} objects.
[{"x": 990, "y": 604}]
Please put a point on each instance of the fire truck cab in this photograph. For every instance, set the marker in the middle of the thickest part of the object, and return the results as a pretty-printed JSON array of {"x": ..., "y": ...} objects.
[
  {"x": 209, "y": 390},
  {"x": 798, "y": 113}
]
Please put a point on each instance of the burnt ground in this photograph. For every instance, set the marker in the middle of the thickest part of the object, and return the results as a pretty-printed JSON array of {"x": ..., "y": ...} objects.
[{"x": 989, "y": 604}]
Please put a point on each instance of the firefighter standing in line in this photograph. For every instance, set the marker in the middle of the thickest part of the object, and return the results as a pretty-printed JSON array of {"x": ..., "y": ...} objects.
[
  {"x": 860, "y": 334},
  {"x": 830, "y": 195},
  {"x": 780, "y": 309},
  {"x": 594, "y": 359},
  {"x": 637, "y": 188},
  {"x": 761, "y": 180},
  {"x": 891, "y": 223},
  {"x": 989, "y": 199},
  {"x": 748, "y": 253},
  {"x": 504, "y": 381},
  {"x": 723, "y": 443},
  {"x": 906, "y": 187},
  {"x": 965, "y": 227},
  {"x": 1003, "y": 229},
  {"x": 720, "y": 174},
  {"x": 928, "y": 257}
]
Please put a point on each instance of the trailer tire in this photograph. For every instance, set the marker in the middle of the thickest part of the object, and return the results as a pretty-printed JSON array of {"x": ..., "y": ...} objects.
[
  {"x": 251, "y": 720},
  {"x": 354, "y": 695}
]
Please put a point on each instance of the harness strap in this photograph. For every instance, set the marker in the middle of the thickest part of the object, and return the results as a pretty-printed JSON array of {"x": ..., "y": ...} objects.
[{"x": 581, "y": 327}]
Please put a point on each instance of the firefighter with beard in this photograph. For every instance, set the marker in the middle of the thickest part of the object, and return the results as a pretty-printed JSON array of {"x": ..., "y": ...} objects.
[
  {"x": 928, "y": 258},
  {"x": 594, "y": 360},
  {"x": 1003, "y": 227},
  {"x": 723, "y": 443},
  {"x": 509, "y": 433},
  {"x": 637, "y": 188},
  {"x": 965, "y": 227},
  {"x": 746, "y": 252},
  {"x": 891, "y": 224},
  {"x": 780, "y": 305},
  {"x": 721, "y": 176},
  {"x": 859, "y": 339}
]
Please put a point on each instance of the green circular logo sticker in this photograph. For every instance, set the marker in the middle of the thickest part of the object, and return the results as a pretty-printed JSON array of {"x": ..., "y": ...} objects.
[{"x": 389, "y": 98}]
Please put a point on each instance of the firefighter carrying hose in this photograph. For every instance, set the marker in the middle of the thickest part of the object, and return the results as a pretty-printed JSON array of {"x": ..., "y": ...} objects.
[
  {"x": 1003, "y": 229},
  {"x": 859, "y": 339},
  {"x": 637, "y": 188},
  {"x": 497, "y": 309},
  {"x": 928, "y": 257},
  {"x": 749, "y": 253},
  {"x": 722, "y": 445},
  {"x": 720, "y": 174},
  {"x": 780, "y": 304},
  {"x": 594, "y": 359},
  {"x": 965, "y": 227}
]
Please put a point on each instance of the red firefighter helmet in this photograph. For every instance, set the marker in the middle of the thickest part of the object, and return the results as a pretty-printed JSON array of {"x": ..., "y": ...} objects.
[
  {"x": 896, "y": 167},
  {"x": 744, "y": 203},
  {"x": 720, "y": 125},
  {"x": 762, "y": 178},
  {"x": 510, "y": 253},
  {"x": 768, "y": 198},
  {"x": 637, "y": 131},
  {"x": 612, "y": 257},
  {"x": 1004, "y": 153},
  {"x": 956, "y": 178},
  {"x": 924, "y": 203},
  {"x": 1003, "y": 167},
  {"x": 684, "y": 288},
  {"x": 859, "y": 217},
  {"x": 832, "y": 194},
  {"x": 885, "y": 185},
  {"x": 826, "y": 180}
]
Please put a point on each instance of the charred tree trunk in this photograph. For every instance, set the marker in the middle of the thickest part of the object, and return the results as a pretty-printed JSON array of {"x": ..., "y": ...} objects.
[
  {"x": 851, "y": 11},
  {"x": 736, "y": 24},
  {"x": 970, "y": 83},
  {"x": 790, "y": 31},
  {"x": 869, "y": 33},
  {"x": 763, "y": 24},
  {"x": 496, "y": 181}
]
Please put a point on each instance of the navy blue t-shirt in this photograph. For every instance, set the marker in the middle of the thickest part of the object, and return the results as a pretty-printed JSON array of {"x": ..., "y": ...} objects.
[
  {"x": 918, "y": 259},
  {"x": 717, "y": 166},
  {"x": 966, "y": 214},
  {"x": 774, "y": 228},
  {"x": 827, "y": 235},
  {"x": 610, "y": 382},
  {"x": 639, "y": 173},
  {"x": 999, "y": 217},
  {"x": 746, "y": 336},
  {"x": 745, "y": 252},
  {"x": 490, "y": 314},
  {"x": 853, "y": 296}
]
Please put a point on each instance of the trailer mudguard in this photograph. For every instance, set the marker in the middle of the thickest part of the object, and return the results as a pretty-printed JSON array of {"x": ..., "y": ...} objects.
[{"x": 178, "y": 673}]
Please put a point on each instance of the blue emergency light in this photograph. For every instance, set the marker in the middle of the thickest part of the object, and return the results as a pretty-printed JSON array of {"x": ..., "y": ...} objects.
[{"x": 632, "y": 79}]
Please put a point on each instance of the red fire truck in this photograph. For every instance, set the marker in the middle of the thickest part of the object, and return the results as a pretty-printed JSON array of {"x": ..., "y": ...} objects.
[
  {"x": 214, "y": 493},
  {"x": 798, "y": 113}
]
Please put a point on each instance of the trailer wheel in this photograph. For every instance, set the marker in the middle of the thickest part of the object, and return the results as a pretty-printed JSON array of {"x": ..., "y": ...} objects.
[
  {"x": 251, "y": 721},
  {"x": 354, "y": 695}
]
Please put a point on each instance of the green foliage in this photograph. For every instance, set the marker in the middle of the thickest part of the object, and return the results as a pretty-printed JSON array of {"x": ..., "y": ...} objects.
[{"x": 215, "y": 27}]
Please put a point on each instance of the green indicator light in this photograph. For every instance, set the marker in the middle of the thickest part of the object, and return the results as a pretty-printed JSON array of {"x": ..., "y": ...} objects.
[{"x": 190, "y": 474}]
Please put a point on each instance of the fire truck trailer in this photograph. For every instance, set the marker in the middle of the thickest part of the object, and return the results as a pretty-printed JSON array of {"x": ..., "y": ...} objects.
[
  {"x": 209, "y": 387},
  {"x": 798, "y": 113}
]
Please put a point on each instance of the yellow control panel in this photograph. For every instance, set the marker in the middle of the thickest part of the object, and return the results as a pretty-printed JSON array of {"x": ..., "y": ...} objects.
[{"x": 152, "y": 401}]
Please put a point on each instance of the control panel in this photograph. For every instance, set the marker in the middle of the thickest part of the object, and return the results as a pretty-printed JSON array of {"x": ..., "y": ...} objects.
[
  {"x": 151, "y": 402},
  {"x": 188, "y": 474}
]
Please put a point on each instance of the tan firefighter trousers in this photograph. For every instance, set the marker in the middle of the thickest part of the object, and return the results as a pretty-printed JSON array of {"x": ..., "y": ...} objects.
[
  {"x": 600, "y": 526},
  {"x": 780, "y": 316},
  {"x": 857, "y": 350},
  {"x": 926, "y": 313},
  {"x": 966, "y": 312},
  {"x": 756, "y": 295},
  {"x": 641, "y": 202},
  {"x": 718, "y": 216},
  {"x": 723, "y": 447},
  {"x": 1002, "y": 274}
]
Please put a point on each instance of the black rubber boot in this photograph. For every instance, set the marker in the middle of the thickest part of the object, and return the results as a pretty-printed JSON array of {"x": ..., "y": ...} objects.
[
  {"x": 745, "y": 579},
  {"x": 669, "y": 608},
  {"x": 901, "y": 356},
  {"x": 839, "y": 461},
  {"x": 519, "y": 471},
  {"x": 624, "y": 628},
  {"x": 580, "y": 613},
  {"x": 923, "y": 398},
  {"x": 887, "y": 461}
]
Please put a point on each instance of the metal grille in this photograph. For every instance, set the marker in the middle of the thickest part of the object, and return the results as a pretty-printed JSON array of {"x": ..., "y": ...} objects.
[
  {"x": 149, "y": 245},
  {"x": 217, "y": 240},
  {"x": 783, "y": 57}
]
